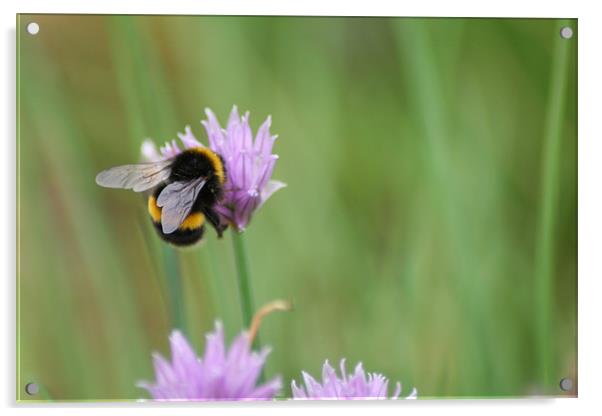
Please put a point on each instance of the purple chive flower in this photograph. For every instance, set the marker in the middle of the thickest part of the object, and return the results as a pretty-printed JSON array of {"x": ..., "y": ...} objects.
[
  {"x": 219, "y": 375},
  {"x": 150, "y": 153},
  {"x": 359, "y": 385},
  {"x": 249, "y": 165}
]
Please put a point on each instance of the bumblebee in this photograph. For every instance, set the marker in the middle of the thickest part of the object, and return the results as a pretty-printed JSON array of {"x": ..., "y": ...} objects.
[{"x": 182, "y": 192}]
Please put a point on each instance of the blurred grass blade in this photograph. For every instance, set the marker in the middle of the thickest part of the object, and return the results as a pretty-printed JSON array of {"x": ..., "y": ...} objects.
[
  {"x": 545, "y": 239},
  {"x": 149, "y": 108},
  {"x": 432, "y": 113},
  {"x": 174, "y": 286}
]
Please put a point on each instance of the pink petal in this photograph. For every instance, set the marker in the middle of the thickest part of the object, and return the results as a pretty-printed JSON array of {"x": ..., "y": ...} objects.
[
  {"x": 263, "y": 141},
  {"x": 267, "y": 390},
  {"x": 149, "y": 151},
  {"x": 269, "y": 190},
  {"x": 188, "y": 139},
  {"x": 397, "y": 391},
  {"x": 298, "y": 392}
]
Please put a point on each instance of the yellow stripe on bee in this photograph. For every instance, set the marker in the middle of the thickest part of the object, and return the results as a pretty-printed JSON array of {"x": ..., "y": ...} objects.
[
  {"x": 193, "y": 221},
  {"x": 215, "y": 161},
  {"x": 153, "y": 209}
]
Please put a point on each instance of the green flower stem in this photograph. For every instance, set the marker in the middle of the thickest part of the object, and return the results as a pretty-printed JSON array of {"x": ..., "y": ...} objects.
[
  {"x": 244, "y": 280},
  {"x": 244, "y": 286},
  {"x": 242, "y": 271},
  {"x": 544, "y": 255},
  {"x": 174, "y": 287}
]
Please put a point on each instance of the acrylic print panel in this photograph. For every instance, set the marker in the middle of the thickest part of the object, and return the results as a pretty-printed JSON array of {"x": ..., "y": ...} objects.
[{"x": 420, "y": 217}]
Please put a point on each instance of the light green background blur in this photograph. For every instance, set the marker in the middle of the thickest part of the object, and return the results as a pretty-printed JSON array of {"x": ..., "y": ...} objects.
[{"x": 429, "y": 226}]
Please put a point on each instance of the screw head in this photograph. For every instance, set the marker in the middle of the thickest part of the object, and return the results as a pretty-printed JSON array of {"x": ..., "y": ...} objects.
[
  {"x": 32, "y": 389},
  {"x": 566, "y": 32},
  {"x": 33, "y": 28},
  {"x": 566, "y": 384}
]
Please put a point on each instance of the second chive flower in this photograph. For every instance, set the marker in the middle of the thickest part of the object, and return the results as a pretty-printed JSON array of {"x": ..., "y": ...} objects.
[
  {"x": 221, "y": 374},
  {"x": 357, "y": 385}
]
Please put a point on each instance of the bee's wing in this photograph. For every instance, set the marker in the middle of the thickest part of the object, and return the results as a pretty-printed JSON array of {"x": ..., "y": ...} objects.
[
  {"x": 176, "y": 201},
  {"x": 140, "y": 177}
]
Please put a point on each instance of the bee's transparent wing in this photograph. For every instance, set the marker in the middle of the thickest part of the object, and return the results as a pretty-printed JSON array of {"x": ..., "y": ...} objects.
[
  {"x": 140, "y": 177},
  {"x": 176, "y": 201}
]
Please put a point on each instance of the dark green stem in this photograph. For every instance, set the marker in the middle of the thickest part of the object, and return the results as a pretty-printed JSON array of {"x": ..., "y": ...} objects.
[
  {"x": 242, "y": 271},
  {"x": 244, "y": 286},
  {"x": 244, "y": 280}
]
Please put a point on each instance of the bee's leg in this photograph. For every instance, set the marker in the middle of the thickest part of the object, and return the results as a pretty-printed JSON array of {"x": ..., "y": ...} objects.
[{"x": 214, "y": 220}]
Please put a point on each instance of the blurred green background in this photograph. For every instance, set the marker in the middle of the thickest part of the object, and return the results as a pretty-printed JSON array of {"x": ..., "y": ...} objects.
[{"x": 429, "y": 227}]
